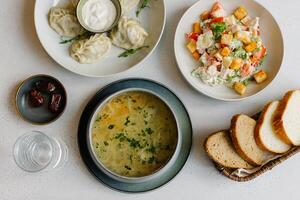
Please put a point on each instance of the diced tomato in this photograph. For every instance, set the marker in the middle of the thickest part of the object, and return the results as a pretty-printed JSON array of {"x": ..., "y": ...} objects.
[
  {"x": 254, "y": 61},
  {"x": 216, "y": 20},
  {"x": 259, "y": 55},
  {"x": 192, "y": 36},
  {"x": 245, "y": 70}
]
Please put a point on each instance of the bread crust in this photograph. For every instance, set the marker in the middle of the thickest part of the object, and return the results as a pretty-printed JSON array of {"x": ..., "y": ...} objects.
[
  {"x": 205, "y": 145},
  {"x": 236, "y": 142},
  {"x": 257, "y": 131},
  {"x": 257, "y": 135},
  {"x": 278, "y": 118}
]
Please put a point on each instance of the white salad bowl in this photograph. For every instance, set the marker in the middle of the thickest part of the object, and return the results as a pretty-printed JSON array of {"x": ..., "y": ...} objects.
[
  {"x": 270, "y": 33},
  {"x": 152, "y": 19}
]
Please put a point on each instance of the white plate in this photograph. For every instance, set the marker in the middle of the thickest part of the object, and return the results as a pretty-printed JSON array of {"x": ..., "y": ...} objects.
[
  {"x": 153, "y": 19},
  {"x": 271, "y": 36}
]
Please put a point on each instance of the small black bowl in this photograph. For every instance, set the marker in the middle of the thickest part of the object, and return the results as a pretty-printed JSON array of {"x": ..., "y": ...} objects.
[{"x": 39, "y": 115}]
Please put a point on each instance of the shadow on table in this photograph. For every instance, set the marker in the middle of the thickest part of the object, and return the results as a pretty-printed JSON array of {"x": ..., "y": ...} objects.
[{"x": 29, "y": 30}]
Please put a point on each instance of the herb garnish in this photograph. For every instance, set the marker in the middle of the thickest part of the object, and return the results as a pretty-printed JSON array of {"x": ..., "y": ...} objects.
[
  {"x": 152, "y": 149},
  {"x": 218, "y": 28},
  {"x": 127, "y": 167},
  {"x": 111, "y": 126},
  {"x": 262, "y": 60},
  {"x": 240, "y": 53},
  {"x": 105, "y": 143},
  {"x": 149, "y": 131},
  {"x": 231, "y": 77},
  {"x": 134, "y": 143},
  {"x": 151, "y": 160},
  {"x": 131, "y": 52},
  {"x": 78, "y": 37},
  {"x": 98, "y": 119},
  {"x": 127, "y": 121},
  {"x": 121, "y": 137},
  {"x": 143, "y": 5},
  {"x": 247, "y": 81}
]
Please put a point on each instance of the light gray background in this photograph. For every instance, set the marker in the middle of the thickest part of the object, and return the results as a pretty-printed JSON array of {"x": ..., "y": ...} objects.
[{"x": 21, "y": 55}]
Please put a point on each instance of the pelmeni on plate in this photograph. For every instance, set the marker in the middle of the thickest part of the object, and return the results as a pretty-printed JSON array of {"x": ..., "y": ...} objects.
[
  {"x": 129, "y": 34},
  {"x": 128, "y": 5},
  {"x": 90, "y": 50},
  {"x": 64, "y": 22}
]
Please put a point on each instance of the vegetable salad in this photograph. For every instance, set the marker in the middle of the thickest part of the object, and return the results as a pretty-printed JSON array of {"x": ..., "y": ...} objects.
[{"x": 229, "y": 49}]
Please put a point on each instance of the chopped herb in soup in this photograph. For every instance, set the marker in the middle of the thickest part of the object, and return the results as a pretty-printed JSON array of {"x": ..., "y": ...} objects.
[{"x": 134, "y": 134}]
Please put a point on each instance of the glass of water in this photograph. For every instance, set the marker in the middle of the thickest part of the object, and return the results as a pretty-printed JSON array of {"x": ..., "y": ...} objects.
[{"x": 36, "y": 151}]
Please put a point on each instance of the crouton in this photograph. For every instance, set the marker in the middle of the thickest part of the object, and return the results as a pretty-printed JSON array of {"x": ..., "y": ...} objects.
[
  {"x": 236, "y": 64},
  {"x": 192, "y": 46},
  {"x": 225, "y": 51},
  {"x": 251, "y": 47},
  {"x": 226, "y": 39},
  {"x": 260, "y": 76},
  {"x": 205, "y": 15},
  {"x": 196, "y": 55},
  {"x": 197, "y": 27},
  {"x": 240, "y": 88},
  {"x": 240, "y": 13}
]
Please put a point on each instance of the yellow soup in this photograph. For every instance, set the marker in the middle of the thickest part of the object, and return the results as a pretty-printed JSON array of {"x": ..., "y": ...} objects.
[{"x": 134, "y": 134}]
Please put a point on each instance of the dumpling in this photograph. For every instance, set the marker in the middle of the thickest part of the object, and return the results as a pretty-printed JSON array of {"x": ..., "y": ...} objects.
[
  {"x": 129, "y": 34},
  {"x": 64, "y": 22},
  {"x": 128, "y": 5},
  {"x": 90, "y": 50}
]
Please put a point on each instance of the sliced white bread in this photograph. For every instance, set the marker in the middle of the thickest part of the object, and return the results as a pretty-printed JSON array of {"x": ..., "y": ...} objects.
[
  {"x": 264, "y": 134},
  {"x": 220, "y": 149},
  {"x": 286, "y": 122},
  {"x": 242, "y": 135}
]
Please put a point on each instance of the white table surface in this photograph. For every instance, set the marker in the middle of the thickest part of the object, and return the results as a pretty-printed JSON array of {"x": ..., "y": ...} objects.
[{"x": 21, "y": 55}]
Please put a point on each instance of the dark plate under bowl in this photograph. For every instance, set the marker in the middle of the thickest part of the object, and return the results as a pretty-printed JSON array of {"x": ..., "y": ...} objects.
[
  {"x": 40, "y": 115},
  {"x": 184, "y": 125}
]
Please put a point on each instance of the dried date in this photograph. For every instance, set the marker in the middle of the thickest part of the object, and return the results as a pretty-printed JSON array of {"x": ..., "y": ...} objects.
[
  {"x": 36, "y": 98},
  {"x": 55, "y": 103},
  {"x": 45, "y": 86}
]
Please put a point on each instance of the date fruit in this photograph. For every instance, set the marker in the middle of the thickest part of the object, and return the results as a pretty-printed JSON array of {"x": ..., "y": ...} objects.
[
  {"x": 55, "y": 103},
  {"x": 36, "y": 98},
  {"x": 45, "y": 86}
]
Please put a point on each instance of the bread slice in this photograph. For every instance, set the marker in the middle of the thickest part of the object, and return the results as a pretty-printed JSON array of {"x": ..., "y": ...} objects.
[
  {"x": 264, "y": 134},
  {"x": 220, "y": 149},
  {"x": 286, "y": 120},
  {"x": 242, "y": 135}
]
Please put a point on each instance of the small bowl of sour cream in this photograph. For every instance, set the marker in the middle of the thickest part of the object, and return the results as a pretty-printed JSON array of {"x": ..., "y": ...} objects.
[{"x": 99, "y": 16}]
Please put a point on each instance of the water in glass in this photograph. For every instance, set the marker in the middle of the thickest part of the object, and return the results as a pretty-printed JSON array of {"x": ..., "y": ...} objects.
[{"x": 36, "y": 151}]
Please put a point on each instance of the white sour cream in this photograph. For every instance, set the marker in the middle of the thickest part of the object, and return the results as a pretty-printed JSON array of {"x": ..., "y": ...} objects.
[{"x": 99, "y": 15}]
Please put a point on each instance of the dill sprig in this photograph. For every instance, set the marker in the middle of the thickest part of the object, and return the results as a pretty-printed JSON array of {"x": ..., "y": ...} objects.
[
  {"x": 144, "y": 4},
  {"x": 131, "y": 51},
  {"x": 78, "y": 37}
]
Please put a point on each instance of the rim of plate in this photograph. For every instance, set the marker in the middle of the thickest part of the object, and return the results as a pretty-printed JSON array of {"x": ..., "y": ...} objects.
[
  {"x": 107, "y": 75},
  {"x": 89, "y": 110},
  {"x": 220, "y": 98}
]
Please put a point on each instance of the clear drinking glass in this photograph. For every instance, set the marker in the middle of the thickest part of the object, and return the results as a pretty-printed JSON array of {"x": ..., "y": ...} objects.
[{"x": 36, "y": 151}]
